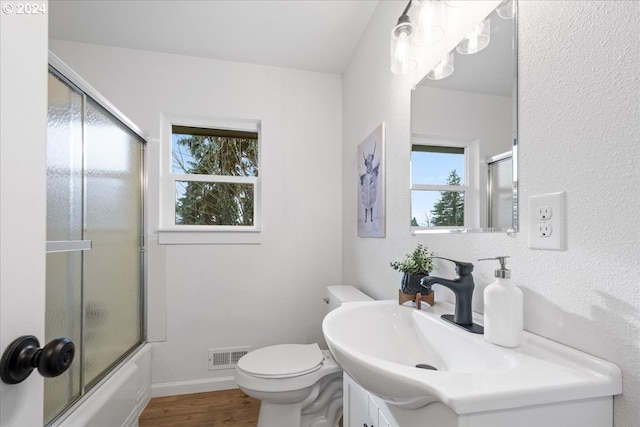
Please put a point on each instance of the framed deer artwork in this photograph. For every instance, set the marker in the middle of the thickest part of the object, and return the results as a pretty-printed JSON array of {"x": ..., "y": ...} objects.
[{"x": 371, "y": 205}]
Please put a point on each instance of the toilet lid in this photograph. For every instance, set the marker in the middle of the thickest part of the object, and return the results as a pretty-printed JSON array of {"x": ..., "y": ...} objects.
[{"x": 285, "y": 360}]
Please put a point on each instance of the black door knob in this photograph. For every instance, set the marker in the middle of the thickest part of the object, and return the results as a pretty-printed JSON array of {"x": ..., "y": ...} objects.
[{"x": 24, "y": 354}]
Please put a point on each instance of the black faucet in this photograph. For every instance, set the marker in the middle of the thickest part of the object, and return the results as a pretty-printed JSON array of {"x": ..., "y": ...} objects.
[{"x": 462, "y": 286}]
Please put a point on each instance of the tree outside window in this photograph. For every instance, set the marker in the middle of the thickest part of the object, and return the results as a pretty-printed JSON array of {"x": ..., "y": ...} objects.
[
  {"x": 449, "y": 209},
  {"x": 438, "y": 187},
  {"x": 215, "y": 172}
]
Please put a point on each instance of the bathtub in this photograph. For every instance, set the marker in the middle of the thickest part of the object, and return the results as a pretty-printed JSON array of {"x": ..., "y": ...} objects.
[{"x": 119, "y": 400}]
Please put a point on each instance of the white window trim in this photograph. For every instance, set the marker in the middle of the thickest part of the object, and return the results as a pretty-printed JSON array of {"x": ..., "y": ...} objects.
[
  {"x": 470, "y": 187},
  {"x": 170, "y": 233}
]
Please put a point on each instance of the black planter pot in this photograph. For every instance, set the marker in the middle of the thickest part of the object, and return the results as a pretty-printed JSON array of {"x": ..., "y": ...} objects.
[{"x": 411, "y": 283}]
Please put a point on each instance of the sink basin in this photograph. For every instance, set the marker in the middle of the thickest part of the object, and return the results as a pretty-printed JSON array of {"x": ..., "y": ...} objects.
[{"x": 379, "y": 344}]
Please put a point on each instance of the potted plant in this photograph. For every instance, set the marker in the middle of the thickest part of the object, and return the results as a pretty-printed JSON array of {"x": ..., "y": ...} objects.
[{"x": 414, "y": 266}]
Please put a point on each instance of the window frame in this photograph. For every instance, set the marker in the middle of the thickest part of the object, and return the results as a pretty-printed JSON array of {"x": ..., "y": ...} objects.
[
  {"x": 467, "y": 188},
  {"x": 172, "y": 233}
]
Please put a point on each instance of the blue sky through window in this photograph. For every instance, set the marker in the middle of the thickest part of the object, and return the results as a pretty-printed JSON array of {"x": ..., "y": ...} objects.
[{"x": 432, "y": 169}]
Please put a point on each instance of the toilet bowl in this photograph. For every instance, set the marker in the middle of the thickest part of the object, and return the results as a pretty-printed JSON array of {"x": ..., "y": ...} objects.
[{"x": 297, "y": 384}]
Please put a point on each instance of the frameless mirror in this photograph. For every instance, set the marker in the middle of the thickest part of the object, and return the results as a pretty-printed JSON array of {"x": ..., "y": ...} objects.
[{"x": 464, "y": 139}]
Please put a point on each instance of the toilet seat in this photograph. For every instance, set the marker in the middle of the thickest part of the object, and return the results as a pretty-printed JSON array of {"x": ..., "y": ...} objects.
[{"x": 282, "y": 361}]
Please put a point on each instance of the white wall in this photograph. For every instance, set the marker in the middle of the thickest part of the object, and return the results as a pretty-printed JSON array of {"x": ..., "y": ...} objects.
[
  {"x": 451, "y": 114},
  {"x": 215, "y": 296},
  {"x": 579, "y": 132}
]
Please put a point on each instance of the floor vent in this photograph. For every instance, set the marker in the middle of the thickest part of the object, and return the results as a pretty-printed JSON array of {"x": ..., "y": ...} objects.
[{"x": 225, "y": 358}]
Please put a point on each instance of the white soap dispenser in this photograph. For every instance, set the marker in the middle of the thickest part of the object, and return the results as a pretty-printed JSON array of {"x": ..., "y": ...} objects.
[{"x": 503, "y": 314}]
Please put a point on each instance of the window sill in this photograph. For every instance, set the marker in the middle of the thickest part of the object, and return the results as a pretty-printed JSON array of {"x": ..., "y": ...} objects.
[{"x": 180, "y": 237}]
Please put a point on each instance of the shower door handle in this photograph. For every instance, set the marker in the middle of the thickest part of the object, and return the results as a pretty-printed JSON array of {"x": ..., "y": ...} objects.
[{"x": 24, "y": 354}]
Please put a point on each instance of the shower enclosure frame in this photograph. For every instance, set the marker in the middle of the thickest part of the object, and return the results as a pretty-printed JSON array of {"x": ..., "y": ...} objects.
[{"x": 58, "y": 68}]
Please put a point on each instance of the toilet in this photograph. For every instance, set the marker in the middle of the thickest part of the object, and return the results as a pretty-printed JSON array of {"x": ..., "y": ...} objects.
[{"x": 297, "y": 384}]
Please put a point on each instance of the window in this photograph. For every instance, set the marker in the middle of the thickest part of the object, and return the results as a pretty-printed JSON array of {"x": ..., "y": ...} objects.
[
  {"x": 439, "y": 176},
  {"x": 212, "y": 180}
]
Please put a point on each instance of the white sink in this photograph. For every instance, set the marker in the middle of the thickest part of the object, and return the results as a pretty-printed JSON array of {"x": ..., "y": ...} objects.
[{"x": 378, "y": 344}]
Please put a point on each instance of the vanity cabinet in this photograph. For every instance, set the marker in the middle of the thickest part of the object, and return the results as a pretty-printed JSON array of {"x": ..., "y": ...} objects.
[
  {"x": 363, "y": 409},
  {"x": 355, "y": 410},
  {"x": 377, "y": 415}
]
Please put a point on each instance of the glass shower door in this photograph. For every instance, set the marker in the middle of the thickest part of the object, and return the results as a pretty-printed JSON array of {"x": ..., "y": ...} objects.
[
  {"x": 94, "y": 240},
  {"x": 112, "y": 269},
  {"x": 500, "y": 192},
  {"x": 64, "y": 224}
]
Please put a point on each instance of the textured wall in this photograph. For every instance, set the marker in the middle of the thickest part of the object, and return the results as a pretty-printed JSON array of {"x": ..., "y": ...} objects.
[{"x": 579, "y": 99}]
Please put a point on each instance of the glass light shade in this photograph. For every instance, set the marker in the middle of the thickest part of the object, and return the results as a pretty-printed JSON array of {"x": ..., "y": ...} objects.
[
  {"x": 429, "y": 18},
  {"x": 505, "y": 10},
  {"x": 477, "y": 39},
  {"x": 444, "y": 68},
  {"x": 402, "y": 62}
]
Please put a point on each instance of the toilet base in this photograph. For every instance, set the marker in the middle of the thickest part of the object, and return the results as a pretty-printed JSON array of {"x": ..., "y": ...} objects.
[
  {"x": 278, "y": 414},
  {"x": 321, "y": 408}
]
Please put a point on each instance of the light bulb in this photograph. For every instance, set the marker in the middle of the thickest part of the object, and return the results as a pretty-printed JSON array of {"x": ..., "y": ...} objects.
[
  {"x": 444, "y": 68},
  {"x": 505, "y": 10},
  {"x": 401, "y": 61},
  {"x": 477, "y": 39},
  {"x": 429, "y": 22}
]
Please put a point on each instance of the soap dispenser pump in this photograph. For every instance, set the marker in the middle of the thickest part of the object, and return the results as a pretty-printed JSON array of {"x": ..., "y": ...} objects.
[{"x": 503, "y": 314}]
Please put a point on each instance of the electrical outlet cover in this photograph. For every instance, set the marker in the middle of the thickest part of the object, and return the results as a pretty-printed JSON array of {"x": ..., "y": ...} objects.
[{"x": 553, "y": 239}]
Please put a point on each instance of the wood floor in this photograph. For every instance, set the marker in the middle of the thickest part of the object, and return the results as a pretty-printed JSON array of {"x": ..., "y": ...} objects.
[{"x": 229, "y": 408}]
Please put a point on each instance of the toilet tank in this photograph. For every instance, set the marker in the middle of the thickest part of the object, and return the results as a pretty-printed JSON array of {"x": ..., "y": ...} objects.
[{"x": 336, "y": 295}]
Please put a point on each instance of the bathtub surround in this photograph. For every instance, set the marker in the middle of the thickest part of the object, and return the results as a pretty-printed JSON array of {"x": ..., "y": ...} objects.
[
  {"x": 118, "y": 400},
  {"x": 579, "y": 130}
]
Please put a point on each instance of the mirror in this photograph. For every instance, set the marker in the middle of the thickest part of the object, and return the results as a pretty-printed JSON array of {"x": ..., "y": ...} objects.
[{"x": 464, "y": 140}]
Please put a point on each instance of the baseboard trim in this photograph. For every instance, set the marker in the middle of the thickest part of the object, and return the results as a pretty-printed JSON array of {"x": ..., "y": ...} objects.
[{"x": 174, "y": 388}]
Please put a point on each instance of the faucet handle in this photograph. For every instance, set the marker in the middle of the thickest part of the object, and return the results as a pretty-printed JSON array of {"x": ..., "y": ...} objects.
[{"x": 462, "y": 268}]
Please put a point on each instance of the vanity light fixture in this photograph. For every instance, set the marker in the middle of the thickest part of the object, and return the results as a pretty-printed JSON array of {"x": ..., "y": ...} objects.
[
  {"x": 401, "y": 36},
  {"x": 477, "y": 39},
  {"x": 443, "y": 69},
  {"x": 427, "y": 28}
]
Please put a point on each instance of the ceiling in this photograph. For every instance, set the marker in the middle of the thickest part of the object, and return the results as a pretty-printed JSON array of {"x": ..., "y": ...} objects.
[{"x": 315, "y": 35}]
